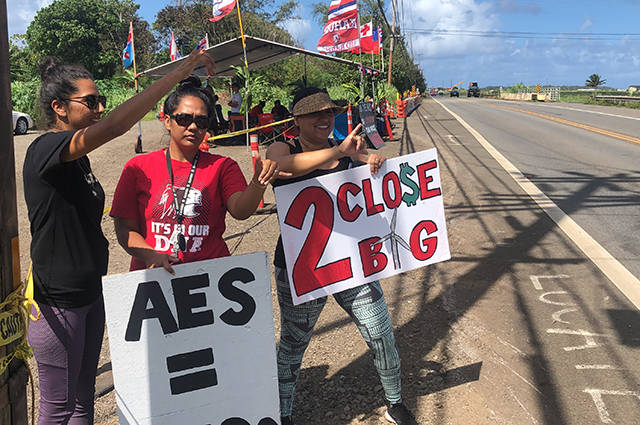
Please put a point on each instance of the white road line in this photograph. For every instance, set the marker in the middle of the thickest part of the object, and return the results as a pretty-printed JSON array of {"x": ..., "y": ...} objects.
[
  {"x": 593, "y": 112},
  {"x": 535, "y": 279},
  {"x": 597, "y": 367},
  {"x": 452, "y": 139},
  {"x": 590, "y": 342},
  {"x": 596, "y": 395},
  {"x": 544, "y": 299},
  {"x": 556, "y": 316},
  {"x": 622, "y": 278}
]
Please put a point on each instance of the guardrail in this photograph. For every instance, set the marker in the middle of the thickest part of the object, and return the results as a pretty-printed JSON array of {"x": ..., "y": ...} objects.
[{"x": 619, "y": 98}]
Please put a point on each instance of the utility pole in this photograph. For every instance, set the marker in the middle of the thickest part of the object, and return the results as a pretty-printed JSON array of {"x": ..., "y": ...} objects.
[
  {"x": 393, "y": 36},
  {"x": 13, "y": 382}
]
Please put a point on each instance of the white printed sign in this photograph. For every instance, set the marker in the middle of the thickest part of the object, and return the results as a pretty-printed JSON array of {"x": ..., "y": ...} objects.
[
  {"x": 196, "y": 347},
  {"x": 362, "y": 227}
]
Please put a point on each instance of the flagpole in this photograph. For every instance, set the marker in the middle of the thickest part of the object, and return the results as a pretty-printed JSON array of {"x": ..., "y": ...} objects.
[
  {"x": 381, "y": 53},
  {"x": 373, "y": 82},
  {"x": 246, "y": 81},
  {"x": 360, "y": 55},
  {"x": 393, "y": 36},
  {"x": 138, "y": 146}
]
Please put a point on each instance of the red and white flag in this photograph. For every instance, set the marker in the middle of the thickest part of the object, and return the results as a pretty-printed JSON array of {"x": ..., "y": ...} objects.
[
  {"x": 340, "y": 33},
  {"x": 204, "y": 43},
  {"x": 369, "y": 42},
  {"x": 173, "y": 49},
  {"x": 221, "y": 8}
]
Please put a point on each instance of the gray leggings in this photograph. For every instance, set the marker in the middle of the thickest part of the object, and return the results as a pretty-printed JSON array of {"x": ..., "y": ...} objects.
[
  {"x": 66, "y": 344},
  {"x": 365, "y": 305}
]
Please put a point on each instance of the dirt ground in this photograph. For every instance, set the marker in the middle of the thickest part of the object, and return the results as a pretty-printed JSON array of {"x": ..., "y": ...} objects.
[{"x": 338, "y": 382}]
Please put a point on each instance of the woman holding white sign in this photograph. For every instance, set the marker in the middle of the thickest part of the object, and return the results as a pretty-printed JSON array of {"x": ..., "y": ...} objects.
[
  {"x": 170, "y": 205},
  {"x": 68, "y": 249},
  {"x": 312, "y": 155}
]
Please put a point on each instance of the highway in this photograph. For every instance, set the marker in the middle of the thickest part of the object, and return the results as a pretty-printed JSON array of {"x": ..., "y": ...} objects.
[
  {"x": 541, "y": 295},
  {"x": 592, "y": 177}
]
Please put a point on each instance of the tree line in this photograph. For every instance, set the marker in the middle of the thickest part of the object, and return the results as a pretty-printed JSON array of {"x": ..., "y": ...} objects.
[{"x": 94, "y": 32}]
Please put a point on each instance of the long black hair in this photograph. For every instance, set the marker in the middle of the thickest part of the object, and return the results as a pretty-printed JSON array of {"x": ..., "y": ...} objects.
[
  {"x": 190, "y": 86},
  {"x": 58, "y": 82}
]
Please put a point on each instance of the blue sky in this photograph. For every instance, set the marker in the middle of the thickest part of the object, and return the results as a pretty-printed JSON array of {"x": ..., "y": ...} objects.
[{"x": 447, "y": 59}]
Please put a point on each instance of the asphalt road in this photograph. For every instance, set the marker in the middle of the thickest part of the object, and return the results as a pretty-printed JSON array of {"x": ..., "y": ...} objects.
[
  {"x": 559, "y": 343},
  {"x": 594, "y": 178}
]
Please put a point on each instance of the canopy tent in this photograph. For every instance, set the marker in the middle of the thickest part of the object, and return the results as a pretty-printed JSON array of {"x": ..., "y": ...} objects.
[{"x": 260, "y": 53}]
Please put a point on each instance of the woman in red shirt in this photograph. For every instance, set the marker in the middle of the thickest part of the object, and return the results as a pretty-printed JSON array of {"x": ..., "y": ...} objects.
[{"x": 170, "y": 205}]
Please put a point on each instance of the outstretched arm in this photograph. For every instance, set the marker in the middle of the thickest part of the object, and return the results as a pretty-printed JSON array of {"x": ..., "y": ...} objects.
[
  {"x": 244, "y": 203},
  {"x": 302, "y": 163},
  {"x": 121, "y": 119}
]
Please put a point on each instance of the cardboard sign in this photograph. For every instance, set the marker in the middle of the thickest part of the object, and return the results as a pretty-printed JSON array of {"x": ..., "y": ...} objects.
[
  {"x": 345, "y": 229},
  {"x": 196, "y": 347},
  {"x": 368, "y": 120}
]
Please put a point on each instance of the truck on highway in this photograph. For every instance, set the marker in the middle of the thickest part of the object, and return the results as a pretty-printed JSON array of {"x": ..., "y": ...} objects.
[{"x": 474, "y": 90}]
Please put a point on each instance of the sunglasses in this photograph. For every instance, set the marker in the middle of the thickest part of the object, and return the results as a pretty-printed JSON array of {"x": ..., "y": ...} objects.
[
  {"x": 91, "y": 101},
  {"x": 185, "y": 120}
]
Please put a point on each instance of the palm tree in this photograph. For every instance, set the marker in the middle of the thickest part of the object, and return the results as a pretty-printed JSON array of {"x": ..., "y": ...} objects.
[{"x": 595, "y": 81}]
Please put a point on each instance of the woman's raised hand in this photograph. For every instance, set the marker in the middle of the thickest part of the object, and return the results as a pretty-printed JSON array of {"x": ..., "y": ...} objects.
[
  {"x": 353, "y": 143},
  {"x": 266, "y": 171},
  {"x": 199, "y": 56}
]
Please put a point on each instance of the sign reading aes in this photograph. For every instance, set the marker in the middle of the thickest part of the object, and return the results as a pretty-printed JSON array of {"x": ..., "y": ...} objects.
[{"x": 183, "y": 347}]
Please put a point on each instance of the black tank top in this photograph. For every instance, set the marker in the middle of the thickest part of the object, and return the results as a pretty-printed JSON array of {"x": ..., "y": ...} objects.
[{"x": 344, "y": 163}]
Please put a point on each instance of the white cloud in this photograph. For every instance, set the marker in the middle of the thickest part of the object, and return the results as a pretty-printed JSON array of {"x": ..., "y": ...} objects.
[
  {"x": 453, "y": 15},
  {"x": 299, "y": 28},
  {"x": 586, "y": 25},
  {"x": 20, "y": 13}
]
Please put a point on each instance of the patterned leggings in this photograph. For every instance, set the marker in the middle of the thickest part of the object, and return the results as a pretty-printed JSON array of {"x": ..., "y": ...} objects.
[{"x": 367, "y": 308}]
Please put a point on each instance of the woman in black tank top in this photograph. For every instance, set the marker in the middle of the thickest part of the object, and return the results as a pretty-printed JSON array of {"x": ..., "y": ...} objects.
[{"x": 312, "y": 155}]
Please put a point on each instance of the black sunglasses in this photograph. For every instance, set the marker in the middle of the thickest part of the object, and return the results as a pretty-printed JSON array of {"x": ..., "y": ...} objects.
[
  {"x": 185, "y": 120},
  {"x": 90, "y": 101}
]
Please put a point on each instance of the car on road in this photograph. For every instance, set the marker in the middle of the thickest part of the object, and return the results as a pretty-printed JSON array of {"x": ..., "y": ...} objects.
[
  {"x": 454, "y": 92},
  {"x": 434, "y": 92},
  {"x": 474, "y": 90},
  {"x": 21, "y": 122}
]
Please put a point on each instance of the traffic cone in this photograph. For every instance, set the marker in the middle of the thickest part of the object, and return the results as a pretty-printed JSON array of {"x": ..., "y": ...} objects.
[
  {"x": 253, "y": 138},
  {"x": 349, "y": 120},
  {"x": 387, "y": 124}
]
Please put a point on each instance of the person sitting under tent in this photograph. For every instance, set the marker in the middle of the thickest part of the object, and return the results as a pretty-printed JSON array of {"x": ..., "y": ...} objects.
[
  {"x": 279, "y": 111},
  {"x": 254, "y": 112}
]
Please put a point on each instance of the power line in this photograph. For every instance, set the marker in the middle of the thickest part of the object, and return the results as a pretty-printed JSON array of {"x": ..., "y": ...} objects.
[{"x": 525, "y": 35}]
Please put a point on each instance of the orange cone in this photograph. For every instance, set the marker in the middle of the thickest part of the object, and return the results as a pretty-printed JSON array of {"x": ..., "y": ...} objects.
[{"x": 253, "y": 138}]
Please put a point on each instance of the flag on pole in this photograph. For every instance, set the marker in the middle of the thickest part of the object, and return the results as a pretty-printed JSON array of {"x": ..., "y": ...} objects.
[
  {"x": 380, "y": 37},
  {"x": 173, "y": 49},
  {"x": 127, "y": 53},
  {"x": 221, "y": 8},
  {"x": 340, "y": 33},
  {"x": 203, "y": 44},
  {"x": 337, "y": 8},
  {"x": 369, "y": 40}
]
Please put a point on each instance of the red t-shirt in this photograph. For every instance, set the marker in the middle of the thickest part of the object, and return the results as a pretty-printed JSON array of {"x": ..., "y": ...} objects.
[{"x": 144, "y": 194}]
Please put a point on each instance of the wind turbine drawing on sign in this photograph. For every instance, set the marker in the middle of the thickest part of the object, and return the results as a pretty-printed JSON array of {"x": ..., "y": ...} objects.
[{"x": 395, "y": 240}]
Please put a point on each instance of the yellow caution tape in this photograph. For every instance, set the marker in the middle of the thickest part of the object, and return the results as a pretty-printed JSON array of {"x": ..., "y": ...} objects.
[
  {"x": 15, "y": 311},
  {"x": 249, "y": 130}
]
